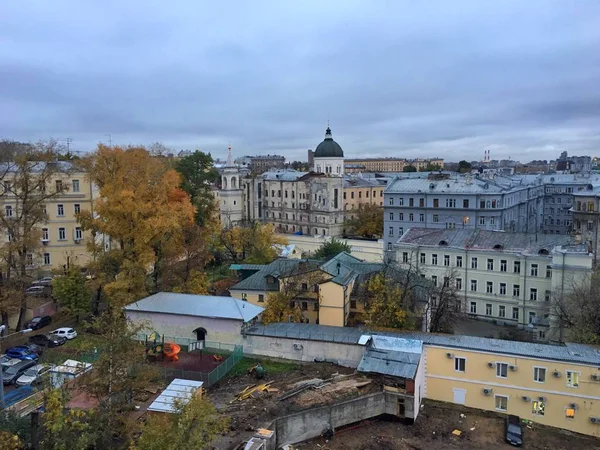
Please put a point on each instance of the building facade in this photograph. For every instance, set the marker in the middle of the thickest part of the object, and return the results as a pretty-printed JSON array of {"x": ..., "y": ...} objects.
[
  {"x": 390, "y": 164},
  {"x": 230, "y": 197},
  {"x": 261, "y": 163}
]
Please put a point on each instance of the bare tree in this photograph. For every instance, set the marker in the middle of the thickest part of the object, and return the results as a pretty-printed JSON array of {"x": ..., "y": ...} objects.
[{"x": 445, "y": 305}]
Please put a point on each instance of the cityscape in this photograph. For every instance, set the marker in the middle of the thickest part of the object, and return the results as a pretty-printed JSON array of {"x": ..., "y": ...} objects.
[{"x": 204, "y": 264}]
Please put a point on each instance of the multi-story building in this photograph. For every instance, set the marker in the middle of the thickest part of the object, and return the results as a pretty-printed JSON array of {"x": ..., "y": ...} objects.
[
  {"x": 586, "y": 211},
  {"x": 390, "y": 164},
  {"x": 508, "y": 278},
  {"x": 63, "y": 242},
  {"x": 261, "y": 163},
  {"x": 359, "y": 191},
  {"x": 230, "y": 197},
  {"x": 573, "y": 164}
]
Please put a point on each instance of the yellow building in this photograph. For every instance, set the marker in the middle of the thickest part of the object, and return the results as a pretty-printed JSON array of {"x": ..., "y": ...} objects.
[
  {"x": 389, "y": 164},
  {"x": 557, "y": 386},
  {"x": 63, "y": 242},
  {"x": 359, "y": 191}
]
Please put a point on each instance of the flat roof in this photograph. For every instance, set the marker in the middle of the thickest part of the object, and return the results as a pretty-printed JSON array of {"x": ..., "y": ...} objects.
[{"x": 179, "y": 389}]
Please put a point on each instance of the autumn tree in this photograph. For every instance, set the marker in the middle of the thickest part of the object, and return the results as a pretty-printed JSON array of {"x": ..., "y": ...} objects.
[
  {"x": 331, "y": 248},
  {"x": 72, "y": 292},
  {"x": 197, "y": 175},
  {"x": 445, "y": 305},
  {"x": 383, "y": 306},
  {"x": 252, "y": 243},
  {"x": 192, "y": 425},
  {"x": 140, "y": 206},
  {"x": 366, "y": 221},
  {"x": 30, "y": 181}
]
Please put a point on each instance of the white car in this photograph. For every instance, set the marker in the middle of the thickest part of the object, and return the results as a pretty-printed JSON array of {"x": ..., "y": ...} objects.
[
  {"x": 34, "y": 374},
  {"x": 68, "y": 333}
]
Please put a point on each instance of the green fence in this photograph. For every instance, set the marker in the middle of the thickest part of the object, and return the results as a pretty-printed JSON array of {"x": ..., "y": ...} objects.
[{"x": 224, "y": 368}]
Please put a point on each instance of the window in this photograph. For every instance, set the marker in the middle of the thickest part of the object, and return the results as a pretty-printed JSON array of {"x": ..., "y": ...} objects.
[
  {"x": 436, "y": 218},
  {"x": 538, "y": 407},
  {"x": 502, "y": 265},
  {"x": 434, "y": 259},
  {"x": 473, "y": 263},
  {"x": 531, "y": 316},
  {"x": 411, "y": 202},
  {"x": 75, "y": 185},
  {"x": 436, "y": 203},
  {"x": 570, "y": 413},
  {"x": 474, "y": 285},
  {"x": 459, "y": 261},
  {"x": 489, "y": 287},
  {"x": 434, "y": 280},
  {"x": 261, "y": 298},
  {"x": 547, "y": 295},
  {"x": 9, "y": 211},
  {"x": 400, "y": 231},
  {"x": 391, "y": 202},
  {"x": 450, "y": 203},
  {"x": 62, "y": 234},
  {"x": 78, "y": 234},
  {"x": 490, "y": 264},
  {"x": 400, "y": 200},
  {"x": 400, "y": 216},
  {"x": 59, "y": 185},
  {"x": 473, "y": 308},
  {"x": 488, "y": 309},
  {"x": 534, "y": 270},
  {"x": 482, "y": 220},
  {"x": 516, "y": 290},
  {"x": 404, "y": 257},
  {"x": 304, "y": 286},
  {"x": 459, "y": 283},
  {"x": 548, "y": 271},
  {"x": 501, "y": 370},
  {"x": 305, "y": 306},
  {"x": 539, "y": 374},
  {"x": 572, "y": 378},
  {"x": 422, "y": 258},
  {"x": 421, "y": 217},
  {"x": 515, "y": 314},
  {"x": 391, "y": 216},
  {"x": 501, "y": 402},
  {"x": 502, "y": 288},
  {"x": 465, "y": 203},
  {"x": 60, "y": 210},
  {"x": 446, "y": 260},
  {"x": 46, "y": 259},
  {"x": 244, "y": 296},
  {"x": 45, "y": 234},
  {"x": 517, "y": 267},
  {"x": 391, "y": 232},
  {"x": 501, "y": 311},
  {"x": 460, "y": 364},
  {"x": 492, "y": 220},
  {"x": 411, "y": 217},
  {"x": 389, "y": 246},
  {"x": 533, "y": 294},
  {"x": 76, "y": 208},
  {"x": 422, "y": 203}
]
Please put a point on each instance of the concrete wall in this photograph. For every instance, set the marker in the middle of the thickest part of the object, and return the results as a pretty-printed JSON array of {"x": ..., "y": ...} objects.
[
  {"x": 218, "y": 330},
  {"x": 371, "y": 251},
  {"x": 348, "y": 355}
]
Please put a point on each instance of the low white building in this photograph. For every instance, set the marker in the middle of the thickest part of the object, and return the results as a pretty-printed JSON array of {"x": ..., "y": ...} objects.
[{"x": 508, "y": 278}]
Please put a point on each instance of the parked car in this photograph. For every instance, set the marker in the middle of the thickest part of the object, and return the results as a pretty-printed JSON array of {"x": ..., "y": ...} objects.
[
  {"x": 513, "y": 430},
  {"x": 5, "y": 359},
  {"x": 46, "y": 281},
  {"x": 39, "y": 322},
  {"x": 34, "y": 374},
  {"x": 66, "y": 332},
  {"x": 35, "y": 291},
  {"x": 11, "y": 374},
  {"x": 22, "y": 353},
  {"x": 38, "y": 350},
  {"x": 7, "y": 362},
  {"x": 47, "y": 340}
]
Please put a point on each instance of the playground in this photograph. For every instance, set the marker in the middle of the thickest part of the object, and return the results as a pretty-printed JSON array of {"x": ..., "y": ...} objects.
[{"x": 197, "y": 361}]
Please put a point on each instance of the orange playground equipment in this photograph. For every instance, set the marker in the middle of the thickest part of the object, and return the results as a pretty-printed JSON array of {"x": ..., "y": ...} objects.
[{"x": 171, "y": 350}]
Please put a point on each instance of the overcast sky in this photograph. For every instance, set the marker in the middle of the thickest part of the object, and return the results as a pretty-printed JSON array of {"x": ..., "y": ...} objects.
[{"x": 395, "y": 78}]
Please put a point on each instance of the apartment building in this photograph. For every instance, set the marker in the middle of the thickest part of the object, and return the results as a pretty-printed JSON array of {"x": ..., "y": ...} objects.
[
  {"x": 63, "y": 242},
  {"x": 507, "y": 278},
  {"x": 389, "y": 164},
  {"x": 359, "y": 191},
  {"x": 586, "y": 209},
  {"x": 261, "y": 163}
]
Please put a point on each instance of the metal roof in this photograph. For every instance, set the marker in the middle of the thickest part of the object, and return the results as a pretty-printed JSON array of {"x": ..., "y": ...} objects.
[
  {"x": 179, "y": 389},
  {"x": 197, "y": 305},
  {"x": 389, "y": 362},
  {"x": 283, "y": 175},
  {"x": 577, "y": 353}
]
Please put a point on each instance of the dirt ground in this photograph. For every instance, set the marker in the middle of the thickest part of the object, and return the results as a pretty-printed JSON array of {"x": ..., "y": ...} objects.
[
  {"x": 193, "y": 361},
  {"x": 433, "y": 431}
]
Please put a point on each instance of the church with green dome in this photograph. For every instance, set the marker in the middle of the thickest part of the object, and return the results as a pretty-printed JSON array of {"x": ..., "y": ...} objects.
[{"x": 329, "y": 157}]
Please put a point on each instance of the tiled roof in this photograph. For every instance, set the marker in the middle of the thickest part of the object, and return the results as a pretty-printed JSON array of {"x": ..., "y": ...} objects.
[{"x": 576, "y": 353}]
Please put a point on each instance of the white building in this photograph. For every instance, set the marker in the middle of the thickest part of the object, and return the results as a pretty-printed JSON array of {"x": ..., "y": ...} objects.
[
  {"x": 230, "y": 198},
  {"x": 508, "y": 278}
]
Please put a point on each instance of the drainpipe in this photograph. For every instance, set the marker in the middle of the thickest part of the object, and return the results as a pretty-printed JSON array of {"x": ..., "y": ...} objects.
[
  {"x": 562, "y": 293},
  {"x": 524, "y": 288},
  {"x": 466, "y": 265}
]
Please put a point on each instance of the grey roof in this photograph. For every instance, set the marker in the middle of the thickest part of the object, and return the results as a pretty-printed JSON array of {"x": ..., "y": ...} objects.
[
  {"x": 576, "y": 353},
  {"x": 389, "y": 362},
  {"x": 197, "y": 305},
  {"x": 179, "y": 390},
  {"x": 477, "y": 239},
  {"x": 283, "y": 175}
]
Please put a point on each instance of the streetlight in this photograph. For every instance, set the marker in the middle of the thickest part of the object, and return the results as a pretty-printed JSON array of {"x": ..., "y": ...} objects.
[{"x": 2, "y": 328}]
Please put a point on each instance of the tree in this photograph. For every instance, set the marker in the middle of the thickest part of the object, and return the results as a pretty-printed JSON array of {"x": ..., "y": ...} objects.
[
  {"x": 464, "y": 166},
  {"x": 430, "y": 168},
  {"x": 193, "y": 425},
  {"x": 279, "y": 308},
  {"x": 383, "y": 307},
  {"x": 72, "y": 292},
  {"x": 331, "y": 248},
  {"x": 445, "y": 306},
  {"x": 31, "y": 179},
  {"x": 409, "y": 168},
  {"x": 367, "y": 221},
  {"x": 197, "y": 175},
  {"x": 252, "y": 243}
]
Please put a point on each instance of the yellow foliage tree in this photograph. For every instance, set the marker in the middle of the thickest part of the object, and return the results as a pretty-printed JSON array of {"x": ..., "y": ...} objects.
[
  {"x": 366, "y": 221},
  {"x": 383, "y": 306},
  {"x": 254, "y": 243},
  {"x": 279, "y": 308}
]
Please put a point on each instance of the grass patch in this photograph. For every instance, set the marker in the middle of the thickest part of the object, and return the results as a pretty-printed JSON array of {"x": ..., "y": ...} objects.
[
  {"x": 271, "y": 367},
  {"x": 83, "y": 344}
]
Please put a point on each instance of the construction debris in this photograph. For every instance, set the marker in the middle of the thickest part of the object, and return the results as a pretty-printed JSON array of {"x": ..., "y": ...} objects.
[
  {"x": 457, "y": 432},
  {"x": 250, "y": 390}
]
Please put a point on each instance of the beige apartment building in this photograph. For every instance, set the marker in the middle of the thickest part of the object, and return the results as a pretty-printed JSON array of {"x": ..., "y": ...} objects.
[
  {"x": 63, "y": 242},
  {"x": 388, "y": 164},
  {"x": 359, "y": 191}
]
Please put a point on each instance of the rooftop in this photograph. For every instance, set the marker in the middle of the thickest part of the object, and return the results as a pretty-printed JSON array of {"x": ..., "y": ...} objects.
[
  {"x": 179, "y": 389},
  {"x": 196, "y": 305},
  {"x": 576, "y": 353}
]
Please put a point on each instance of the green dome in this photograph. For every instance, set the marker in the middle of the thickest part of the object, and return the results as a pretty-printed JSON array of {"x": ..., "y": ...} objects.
[{"x": 329, "y": 148}]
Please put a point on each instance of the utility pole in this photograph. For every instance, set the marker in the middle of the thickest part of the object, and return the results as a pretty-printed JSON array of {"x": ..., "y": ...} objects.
[
  {"x": 69, "y": 140},
  {"x": 109, "y": 139}
]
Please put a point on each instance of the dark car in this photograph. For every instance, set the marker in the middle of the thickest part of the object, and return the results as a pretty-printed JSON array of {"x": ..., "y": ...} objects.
[
  {"x": 22, "y": 352},
  {"x": 39, "y": 322},
  {"x": 10, "y": 374},
  {"x": 514, "y": 432},
  {"x": 47, "y": 340}
]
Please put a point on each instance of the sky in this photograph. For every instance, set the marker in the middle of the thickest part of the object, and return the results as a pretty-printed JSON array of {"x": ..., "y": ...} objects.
[{"x": 393, "y": 78}]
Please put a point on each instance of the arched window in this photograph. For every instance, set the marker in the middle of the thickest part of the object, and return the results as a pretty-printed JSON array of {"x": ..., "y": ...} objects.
[
  {"x": 233, "y": 182},
  {"x": 224, "y": 182}
]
